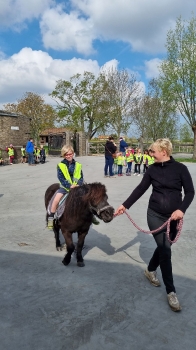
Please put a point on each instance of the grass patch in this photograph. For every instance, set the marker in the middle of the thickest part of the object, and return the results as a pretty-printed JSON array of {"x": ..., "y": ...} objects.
[{"x": 185, "y": 160}]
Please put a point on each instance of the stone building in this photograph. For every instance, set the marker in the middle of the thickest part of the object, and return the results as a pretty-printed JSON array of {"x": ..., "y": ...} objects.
[
  {"x": 55, "y": 138},
  {"x": 15, "y": 129}
]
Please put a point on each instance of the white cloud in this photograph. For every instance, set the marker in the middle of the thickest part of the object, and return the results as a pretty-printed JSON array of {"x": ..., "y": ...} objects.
[
  {"x": 15, "y": 12},
  {"x": 113, "y": 64},
  {"x": 152, "y": 68},
  {"x": 37, "y": 71},
  {"x": 142, "y": 24},
  {"x": 62, "y": 31}
]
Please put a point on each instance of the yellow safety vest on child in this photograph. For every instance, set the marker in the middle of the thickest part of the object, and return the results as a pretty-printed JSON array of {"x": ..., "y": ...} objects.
[
  {"x": 121, "y": 160},
  {"x": 150, "y": 160},
  {"x": 76, "y": 174},
  {"x": 10, "y": 152}
]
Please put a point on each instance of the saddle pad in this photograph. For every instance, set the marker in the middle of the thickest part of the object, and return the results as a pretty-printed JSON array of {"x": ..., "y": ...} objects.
[{"x": 61, "y": 206}]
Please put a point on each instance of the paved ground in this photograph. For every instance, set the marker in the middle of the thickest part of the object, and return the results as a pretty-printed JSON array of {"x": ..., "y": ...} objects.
[{"x": 108, "y": 304}]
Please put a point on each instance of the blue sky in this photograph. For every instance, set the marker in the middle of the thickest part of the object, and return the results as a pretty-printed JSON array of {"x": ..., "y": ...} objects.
[{"x": 43, "y": 41}]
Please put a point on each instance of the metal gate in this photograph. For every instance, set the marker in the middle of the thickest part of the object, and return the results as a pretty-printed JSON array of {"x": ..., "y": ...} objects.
[{"x": 55, "y": 143}]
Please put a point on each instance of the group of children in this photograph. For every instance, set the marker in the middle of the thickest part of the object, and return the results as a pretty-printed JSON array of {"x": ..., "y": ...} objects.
[
  {"x": 132, "y": 156},
  {"x": 39, "y": 154}
]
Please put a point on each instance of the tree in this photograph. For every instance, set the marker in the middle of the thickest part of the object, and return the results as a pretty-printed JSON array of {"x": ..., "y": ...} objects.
[
  {"x": 186, "y": 133},
  {"x": 32, "y": 105},
  {"x": 178, "y": 71},
  {"x": 82, "y": 102},
  {"x": 154, "y": 117},
  {"x": 122, "y": 91}
]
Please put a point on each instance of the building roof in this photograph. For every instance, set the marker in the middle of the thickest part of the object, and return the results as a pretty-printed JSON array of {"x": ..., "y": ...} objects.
[
  {"x": 48, "y": 131},
  {"x": 103, "y": 137},
  {"x": 10, "y": 114}
]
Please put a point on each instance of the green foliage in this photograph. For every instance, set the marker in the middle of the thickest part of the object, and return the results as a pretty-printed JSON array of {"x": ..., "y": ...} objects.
[
  {"x": 122, "y": 91},
  {"x": 186, "y": 160},
  {"x": 186, "y": 133},
  {"x": 82, "y": 103},
  {"x": 33, "y": 106},
  {"x": 178, "y": 71},
  {"x": 155, "y": 117},
  {"x": 96, "y": 105}
]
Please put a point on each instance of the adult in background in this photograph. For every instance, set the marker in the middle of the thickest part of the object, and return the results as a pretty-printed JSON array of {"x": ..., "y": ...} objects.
[
  {"x": 10, "y": 151},
  {"x": 167, "y": 178},
  {"x": 110, "y": 149},
  {"x": 30, "y": 150},
  {"x": 122, "y": 146}
]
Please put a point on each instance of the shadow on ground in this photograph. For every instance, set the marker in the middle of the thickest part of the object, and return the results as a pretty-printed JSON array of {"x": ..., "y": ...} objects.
[{"x": 105, "y": 305}]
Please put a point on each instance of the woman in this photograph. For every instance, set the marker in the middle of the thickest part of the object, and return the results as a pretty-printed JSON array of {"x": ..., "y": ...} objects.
[
  {"x": 167, "y": 178},
  {"x": 110, "y": 150}
]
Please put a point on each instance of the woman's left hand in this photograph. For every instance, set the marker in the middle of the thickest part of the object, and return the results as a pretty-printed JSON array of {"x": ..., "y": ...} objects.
[{"x": 177, "y": 215}]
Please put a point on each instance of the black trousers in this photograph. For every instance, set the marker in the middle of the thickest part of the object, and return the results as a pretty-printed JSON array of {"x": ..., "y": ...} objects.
[{"x": 162, "y": 254}]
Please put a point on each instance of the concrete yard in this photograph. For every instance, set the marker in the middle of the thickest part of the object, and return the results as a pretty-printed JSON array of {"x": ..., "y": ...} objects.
[{"x": 109, "y": 304}]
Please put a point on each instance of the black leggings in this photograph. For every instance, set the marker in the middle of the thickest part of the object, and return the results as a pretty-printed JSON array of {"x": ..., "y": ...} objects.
[
  {"x": 137, "y": 168},
  {"x": 162, "y": 254}
]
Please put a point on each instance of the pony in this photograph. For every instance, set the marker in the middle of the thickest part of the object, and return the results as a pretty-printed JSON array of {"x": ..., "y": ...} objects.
[{"x": 82, "y": 203}]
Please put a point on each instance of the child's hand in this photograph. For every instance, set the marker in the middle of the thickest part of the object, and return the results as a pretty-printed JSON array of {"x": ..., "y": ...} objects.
[{"x": 72, "y": 186}]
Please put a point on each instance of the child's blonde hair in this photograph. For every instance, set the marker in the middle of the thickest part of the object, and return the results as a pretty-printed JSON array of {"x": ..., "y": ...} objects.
[
  {"x": 163, "y": 144},
  {"x": 65, "y": 149}
]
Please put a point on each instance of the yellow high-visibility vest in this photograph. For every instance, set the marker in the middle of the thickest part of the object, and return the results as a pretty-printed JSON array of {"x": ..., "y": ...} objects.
[
  {"x": 120, "y": 160},
  {"x": 10, "y": 152},
  {"x": 145, "y": 157},
  {"x": 150, "y": 160},
  {"x": 129, "y": 157},
  {"x": 76, "y": 174},
  {"x": 138, "y": 158}
]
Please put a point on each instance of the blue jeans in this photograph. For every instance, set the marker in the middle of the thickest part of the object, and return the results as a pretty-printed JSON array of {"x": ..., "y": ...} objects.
[
  {"x": 30, "y": 158},
  {"x": 109, "y": 161},
  {"x": 119, "y": 169},
  {"x": 129, "y": 166}
]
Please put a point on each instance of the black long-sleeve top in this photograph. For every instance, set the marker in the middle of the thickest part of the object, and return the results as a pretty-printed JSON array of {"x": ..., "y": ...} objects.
[
  {"x": 110, "y": 148},
  {"x": 167, "y": 180}
]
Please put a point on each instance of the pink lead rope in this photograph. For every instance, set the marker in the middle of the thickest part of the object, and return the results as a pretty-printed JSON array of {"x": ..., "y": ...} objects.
[{"x": 179, "y": 228}]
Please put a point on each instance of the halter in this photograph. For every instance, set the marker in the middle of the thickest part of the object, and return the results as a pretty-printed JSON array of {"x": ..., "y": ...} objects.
[{"x": 99, "y": 211}]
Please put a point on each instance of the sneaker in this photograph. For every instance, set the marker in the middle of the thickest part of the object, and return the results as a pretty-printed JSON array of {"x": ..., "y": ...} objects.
[
  {"x": 106, "y": 176},
  {"x": 50, "y": 223},
  {"x": 138, "y": 174},
  {"x": 173, "y": 302},
  {"x": 135, "y": 174},
  {"x": 152, "y": 278},
  {"x": 112, "y": 177}
]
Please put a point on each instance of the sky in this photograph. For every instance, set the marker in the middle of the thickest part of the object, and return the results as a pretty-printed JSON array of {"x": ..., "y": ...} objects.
[{"x": 43, "y": 41}]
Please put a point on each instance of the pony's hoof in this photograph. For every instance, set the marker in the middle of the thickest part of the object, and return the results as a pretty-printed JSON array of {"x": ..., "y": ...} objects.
[
  {"x": 80, "y": 264},
  {"x": 59, "y": 249},
  {"x": 65, "y": 262}
]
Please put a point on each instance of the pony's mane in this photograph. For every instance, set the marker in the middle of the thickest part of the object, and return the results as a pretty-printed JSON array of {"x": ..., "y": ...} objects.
[{"x": 80, "y": 197}]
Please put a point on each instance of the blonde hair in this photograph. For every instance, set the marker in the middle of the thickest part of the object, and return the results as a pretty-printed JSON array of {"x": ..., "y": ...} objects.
[
  {"x": 65, "y": 149},
  {"x": 163, "y": 144}
]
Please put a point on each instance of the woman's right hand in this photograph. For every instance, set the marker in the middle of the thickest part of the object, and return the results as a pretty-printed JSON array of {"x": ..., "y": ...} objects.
[{"x": 120, "y": 210}]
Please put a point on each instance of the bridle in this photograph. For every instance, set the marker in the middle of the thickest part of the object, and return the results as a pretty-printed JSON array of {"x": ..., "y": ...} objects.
[{"x": 99, "y": 211}]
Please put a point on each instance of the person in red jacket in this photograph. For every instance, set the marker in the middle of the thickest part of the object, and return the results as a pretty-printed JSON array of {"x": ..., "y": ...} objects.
[{"x": 167, "y": 178}]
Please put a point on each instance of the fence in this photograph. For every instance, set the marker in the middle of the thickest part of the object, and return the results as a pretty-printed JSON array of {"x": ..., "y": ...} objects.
[
  {"x": 182, "y": 148},
  {"x": 98, "y": 148}
]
